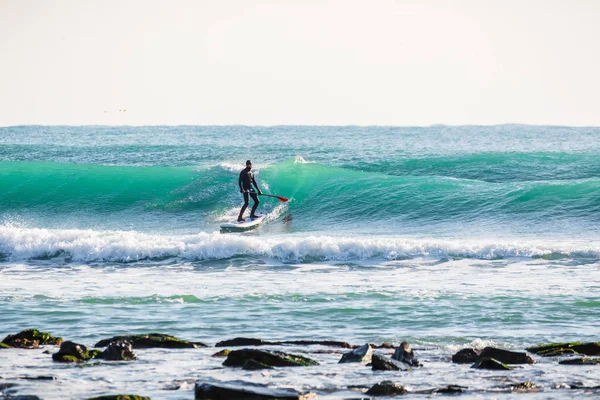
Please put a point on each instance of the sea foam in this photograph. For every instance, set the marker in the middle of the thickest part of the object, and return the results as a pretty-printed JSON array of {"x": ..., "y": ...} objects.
[{"x": 17, "y": 243}]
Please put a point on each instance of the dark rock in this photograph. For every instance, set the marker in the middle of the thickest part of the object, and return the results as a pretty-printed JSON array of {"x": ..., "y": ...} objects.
[
  {"x": 523, "y": 386},
  {"x": 118, "y": 351},
  {"x": 383, "y": 363},
  {"x": 252, "y": 365},
  {"x": 39, "y": 378},
  {"x": 207, "y": 391},
  {"x": 73, "y": 352},
  {"x": 4, "y": 346},
  {"x": 361, "y": 354},
  {"x": 384, "y": 346},
  {"x": 151, "y": 340},
  {"x": 545, "y": 350},
  {"x": 222, "y": 353},
  {"x": 450, "y": 389},
  {"x": 505, "y": 356},
  {"x": 581, "y": 361},
  {"x": 466, "y": 356},
  {"x": 386, "y": 388},
  {"x": 21, "y": 397},
  {"x": 405, "y": 354},
  {"x": 31, "y": 339},
  {"x": 240, "y": 341},
  {"x": 330, "y": 343},
  {"x": 237, "y": 358},
  {"x": 120, "y": 397},
  {"x": 490, "y": 363},
  {"x": 7, "y": 385}
]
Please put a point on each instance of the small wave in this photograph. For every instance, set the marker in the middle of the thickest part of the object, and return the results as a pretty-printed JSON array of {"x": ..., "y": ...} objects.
[{"x": 130, "y": 246}]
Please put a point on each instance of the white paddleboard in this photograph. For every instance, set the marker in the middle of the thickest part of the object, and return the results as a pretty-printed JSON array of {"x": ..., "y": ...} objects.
[{"x": 247, "y": 224}]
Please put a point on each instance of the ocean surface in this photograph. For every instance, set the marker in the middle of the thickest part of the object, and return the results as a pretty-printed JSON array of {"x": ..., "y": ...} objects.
[{"x": 445, "y": 237}]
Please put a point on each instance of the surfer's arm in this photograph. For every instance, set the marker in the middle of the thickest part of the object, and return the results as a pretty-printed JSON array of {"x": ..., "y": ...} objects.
[
  {"x": 256, "y": 186},
  {"x": 240, "y": 182}
]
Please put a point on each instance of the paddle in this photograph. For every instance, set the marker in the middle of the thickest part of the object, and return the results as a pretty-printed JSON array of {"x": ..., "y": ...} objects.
[{"x": 272, "y": 195}]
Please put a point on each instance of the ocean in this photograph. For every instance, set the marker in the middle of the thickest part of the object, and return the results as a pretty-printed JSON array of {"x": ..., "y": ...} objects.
[{"x": 444, "y": 236}]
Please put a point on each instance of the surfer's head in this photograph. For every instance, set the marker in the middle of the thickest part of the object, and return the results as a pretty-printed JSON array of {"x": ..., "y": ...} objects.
[{"x": 249, "y": 164}]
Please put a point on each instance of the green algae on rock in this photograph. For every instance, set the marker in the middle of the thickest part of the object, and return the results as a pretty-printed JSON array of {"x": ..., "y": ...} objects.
[
  {"x": 152, "y": 340},
  {"x": 31, "y": 339},
  {"x": 554, "y": 349},
  {"x": 71, "y": 352},
  {"x": 490, "y": 363},
  {"x": 239, "y": 358}
]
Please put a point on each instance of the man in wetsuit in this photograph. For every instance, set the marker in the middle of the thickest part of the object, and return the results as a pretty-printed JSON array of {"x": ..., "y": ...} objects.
[{"x": 246, "y": 181}]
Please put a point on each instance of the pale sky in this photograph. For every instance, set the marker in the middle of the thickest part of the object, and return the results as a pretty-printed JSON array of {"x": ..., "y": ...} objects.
[{"x": 305, "y": 62}]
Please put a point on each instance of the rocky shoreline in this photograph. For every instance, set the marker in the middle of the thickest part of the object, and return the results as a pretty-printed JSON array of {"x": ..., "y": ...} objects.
[{"x": 253, "y": 354}]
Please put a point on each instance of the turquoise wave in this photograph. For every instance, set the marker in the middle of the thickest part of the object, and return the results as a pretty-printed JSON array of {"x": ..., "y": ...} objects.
[{"x": 321, "y": 193}]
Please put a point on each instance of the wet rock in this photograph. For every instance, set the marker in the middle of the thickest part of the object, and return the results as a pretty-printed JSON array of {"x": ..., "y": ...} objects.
[
  {"x": 552, "y": 349},
  {"x": 252, "y": 365},
  {"x": 386, "y": 388},
  {"x": 120, "y": 397},
  {"x": 450, "y": 389},
  {"x": 74, "y": 352},
  {"x": 466, "y": 356},
  {"x": 490, "y": 363},
  {"x": 4, "y": 346},
  {"x": 581, "y": 361},
  {"x": 523, "y": 387},
  {"x": 330, "y": 343},
  {"x": 240, "y": 341},
  {"x": 6, "y": 385},
  {"x": 207, "y": 391},
  {"x": 31, "y": 339},
  {"x": 222, "y": 353},
  {"x": 507, "y": 357},
  {"x": 361, "y": 354},
  {"x": 384, "y": 346},
  {"x": 118, "y": 351},
  {"x": 383, "y": 363},
  {"x": 405, "y": 354},
  {"x": 20, "y": 397},
  {"x": 151, "y": 340},
  {"x": 238, "y": 358}
]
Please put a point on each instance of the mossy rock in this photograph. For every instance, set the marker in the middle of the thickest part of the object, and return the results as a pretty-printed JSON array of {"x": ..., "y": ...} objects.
[
  {"x": 386, "y": 388},
  {"x": 581, "y": 361},
  {"x": 222, "y": 353},
  {"x": 31, "y": 339},
  {"x": 120, "y": 397},
  {"x": 150, "y": 340},
  {"x": 5, "y": 346},
  {"x": 551, "y": 349},
  {"x": 72, "y": 352},
  {"x": 238, "y": 358},
  {"x": 490, "y": 363}
]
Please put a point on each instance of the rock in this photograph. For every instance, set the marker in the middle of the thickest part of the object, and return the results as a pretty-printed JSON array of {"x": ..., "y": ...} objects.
[
  {"x": 450, "y": 389},
  {"x": 386, "y": 388},
  {"x": 252, "y": 365},
  {"x": 490, "y": 363},
  {"x": 330, "y": 343},
  {"x": 21, "y": 397},
  {"x": 120, "y": 397},
  {"x": 507, "y": 357},
  {"x": 361, "y": 354},
  {"x": 73, "y": 352},
  {"x": 207, "y": 391},
  {"x": 31, "y": 339},
  {"x": 552, "y": 349},
  {"x": 405, "y": 354},
  {"x": 118, "y": 351},
  {"x": 238, "y": 358},
  {"x": 466, "y": 356},
  {"x": 5, "y": 346},
  {"x": 581, "y": 361},
  {"x": 151, "y": 340},
  {"x": 222, "y": 353},
  {"x": 523, "y": 386},
  {"x": 240, "y": 341},
  {"x": 7, "y": 385},
  {"x": 384, "y": 346},
  {"x": 382, "y": 363}
]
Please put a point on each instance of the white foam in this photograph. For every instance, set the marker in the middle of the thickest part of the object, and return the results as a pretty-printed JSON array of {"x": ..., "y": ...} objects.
[{"x": 91, "y": 245}]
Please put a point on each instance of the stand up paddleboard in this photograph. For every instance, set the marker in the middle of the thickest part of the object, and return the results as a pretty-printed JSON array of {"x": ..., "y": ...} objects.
[{"x": 249, "y": 223}]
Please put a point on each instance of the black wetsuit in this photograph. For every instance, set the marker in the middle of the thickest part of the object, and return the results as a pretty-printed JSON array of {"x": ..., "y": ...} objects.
[{"x": 246, "y": 181}]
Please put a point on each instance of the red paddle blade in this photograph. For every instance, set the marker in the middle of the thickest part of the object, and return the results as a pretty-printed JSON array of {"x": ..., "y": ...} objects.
[{"x": 282, "y": 199}]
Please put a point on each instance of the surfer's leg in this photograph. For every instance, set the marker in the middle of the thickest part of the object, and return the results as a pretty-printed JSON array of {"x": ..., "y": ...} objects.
[
  {"x": 241, "y": 216},
  {"x": 255, "y": 205}
]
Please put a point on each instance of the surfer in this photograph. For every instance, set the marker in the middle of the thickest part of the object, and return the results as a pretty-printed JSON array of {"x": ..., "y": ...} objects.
[{"x": 246, "y": 181}]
